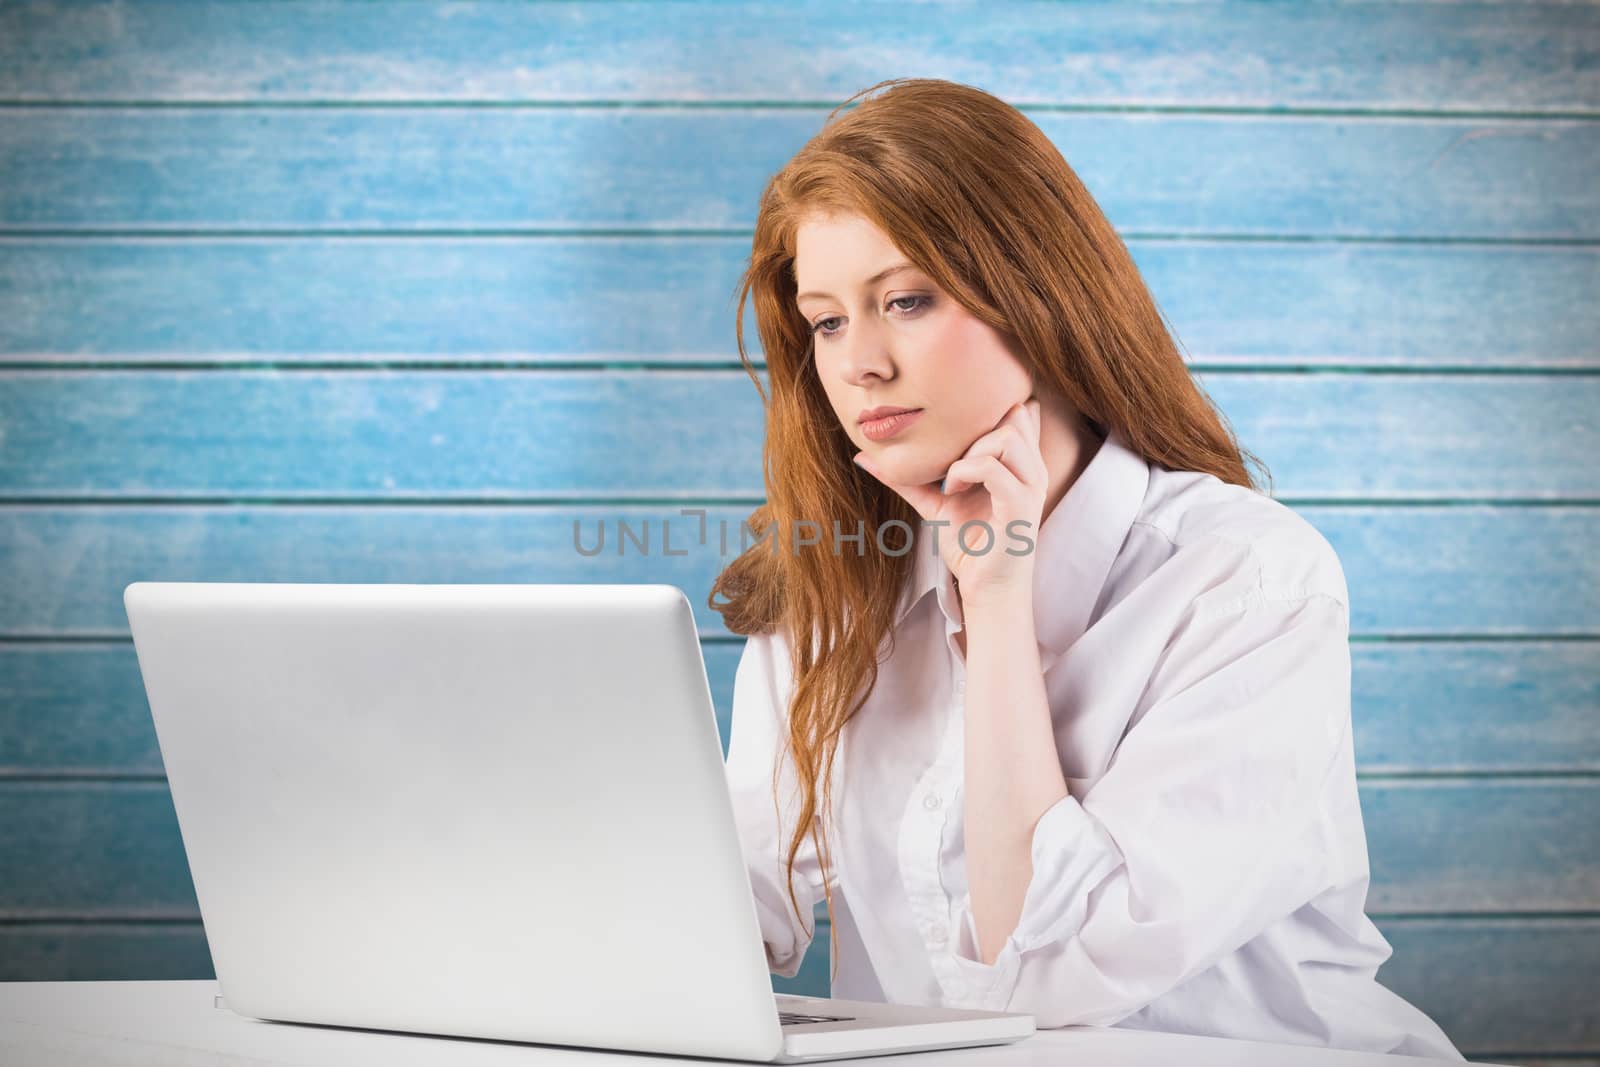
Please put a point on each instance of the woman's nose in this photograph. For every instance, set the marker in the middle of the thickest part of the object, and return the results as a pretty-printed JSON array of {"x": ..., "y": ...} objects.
[{"x": 864, "y": 357}]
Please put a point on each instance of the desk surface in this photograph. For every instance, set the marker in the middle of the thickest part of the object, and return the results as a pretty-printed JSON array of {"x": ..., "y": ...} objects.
[{"x": 110, "y": 1024}]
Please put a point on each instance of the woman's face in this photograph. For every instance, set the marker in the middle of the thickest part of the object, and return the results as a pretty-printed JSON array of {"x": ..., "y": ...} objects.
[{"x": 899, "y": 342}]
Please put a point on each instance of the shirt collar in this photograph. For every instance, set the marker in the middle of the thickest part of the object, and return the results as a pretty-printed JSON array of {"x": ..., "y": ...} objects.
[{"x": 1074, "y": 548}]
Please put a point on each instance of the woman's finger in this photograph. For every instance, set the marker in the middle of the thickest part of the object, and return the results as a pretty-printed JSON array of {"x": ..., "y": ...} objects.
[
  {"x": 1000, "y": 481},
  {"x": 1013, "y": 449},
  {"x": 1023, "y": 418}
]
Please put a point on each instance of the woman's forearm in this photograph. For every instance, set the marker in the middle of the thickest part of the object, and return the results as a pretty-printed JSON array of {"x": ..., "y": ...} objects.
[{"x": 1013, "y": 774}]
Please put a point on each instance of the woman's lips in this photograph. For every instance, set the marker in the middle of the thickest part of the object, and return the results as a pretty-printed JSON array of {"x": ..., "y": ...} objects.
[{"x": 881, "y": 429}]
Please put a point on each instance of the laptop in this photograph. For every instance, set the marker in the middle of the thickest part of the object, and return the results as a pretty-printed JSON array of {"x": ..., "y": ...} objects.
[{"x": 492, "y": 811}]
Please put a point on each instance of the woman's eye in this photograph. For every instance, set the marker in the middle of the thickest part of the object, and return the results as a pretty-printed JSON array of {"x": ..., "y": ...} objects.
[{"x": 819, "y": 326}]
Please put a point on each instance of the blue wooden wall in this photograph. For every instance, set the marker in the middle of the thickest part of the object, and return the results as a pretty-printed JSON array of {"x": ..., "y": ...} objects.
[{"x": 394, "y": 292}]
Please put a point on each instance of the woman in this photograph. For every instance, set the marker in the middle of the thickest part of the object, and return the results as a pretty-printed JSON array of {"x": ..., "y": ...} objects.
[{"x": 1104, "y": 773}]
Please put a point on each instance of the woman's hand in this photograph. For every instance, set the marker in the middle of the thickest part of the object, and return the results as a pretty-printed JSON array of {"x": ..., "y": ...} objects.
[{"x": 1000, "y": 479}]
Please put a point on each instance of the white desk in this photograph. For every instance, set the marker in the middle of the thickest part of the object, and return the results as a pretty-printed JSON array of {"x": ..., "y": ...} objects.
[{"x": 176, "y": 1024}]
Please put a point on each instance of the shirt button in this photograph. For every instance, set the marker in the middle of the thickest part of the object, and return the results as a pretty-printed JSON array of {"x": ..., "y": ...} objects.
[
  {"x": 936, "y": 936},
  {"x": 931, "y": 802}
]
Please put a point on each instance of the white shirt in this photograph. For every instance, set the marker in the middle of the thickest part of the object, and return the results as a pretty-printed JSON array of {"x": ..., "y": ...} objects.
[{"x": 1207, "y": 873}]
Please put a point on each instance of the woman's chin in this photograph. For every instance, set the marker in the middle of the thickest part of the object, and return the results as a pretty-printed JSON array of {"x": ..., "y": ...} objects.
[{"x": 912, "y": 473}]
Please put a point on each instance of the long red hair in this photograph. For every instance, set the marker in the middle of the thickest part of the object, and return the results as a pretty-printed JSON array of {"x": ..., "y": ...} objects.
[{"x": 979, "y": 199}]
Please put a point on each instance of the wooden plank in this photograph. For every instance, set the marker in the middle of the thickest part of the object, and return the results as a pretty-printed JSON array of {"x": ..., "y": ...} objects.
[
  {"x": 1429, "y": 707},
  {"x": 1476, "y": 844},
  {"x": 407, "y": 169},
  {"x": 111, "y": 850},
  {"x": 582, "y": 434},
  {"x": 1377, "y": 55},
  {"x": 74, "y": 709},
  {"x": 1437, "y": 571},
  {"x": 93, "y": 850},
  {"x": 1462, "y": 706},
  {"x": 1501, "y": 986},
  {"x": 671, "y": 300},
  {"x": 104, "y": 951}
]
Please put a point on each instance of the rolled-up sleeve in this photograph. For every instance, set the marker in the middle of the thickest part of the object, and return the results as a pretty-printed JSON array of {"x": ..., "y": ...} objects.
[
  {"x": 760, "y": 709},
  {"x": 1208, "y": 825}
]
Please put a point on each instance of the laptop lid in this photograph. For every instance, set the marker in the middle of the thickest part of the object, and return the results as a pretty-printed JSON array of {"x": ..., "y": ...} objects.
[{"x": 488, "y": 810}]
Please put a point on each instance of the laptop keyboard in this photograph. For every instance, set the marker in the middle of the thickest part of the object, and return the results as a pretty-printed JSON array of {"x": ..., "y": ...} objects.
[{"x": 792, "y": 1018}]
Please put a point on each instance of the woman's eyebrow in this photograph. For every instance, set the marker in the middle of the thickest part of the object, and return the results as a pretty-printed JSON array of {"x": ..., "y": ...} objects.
[{"x": 870, "y": 282}]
